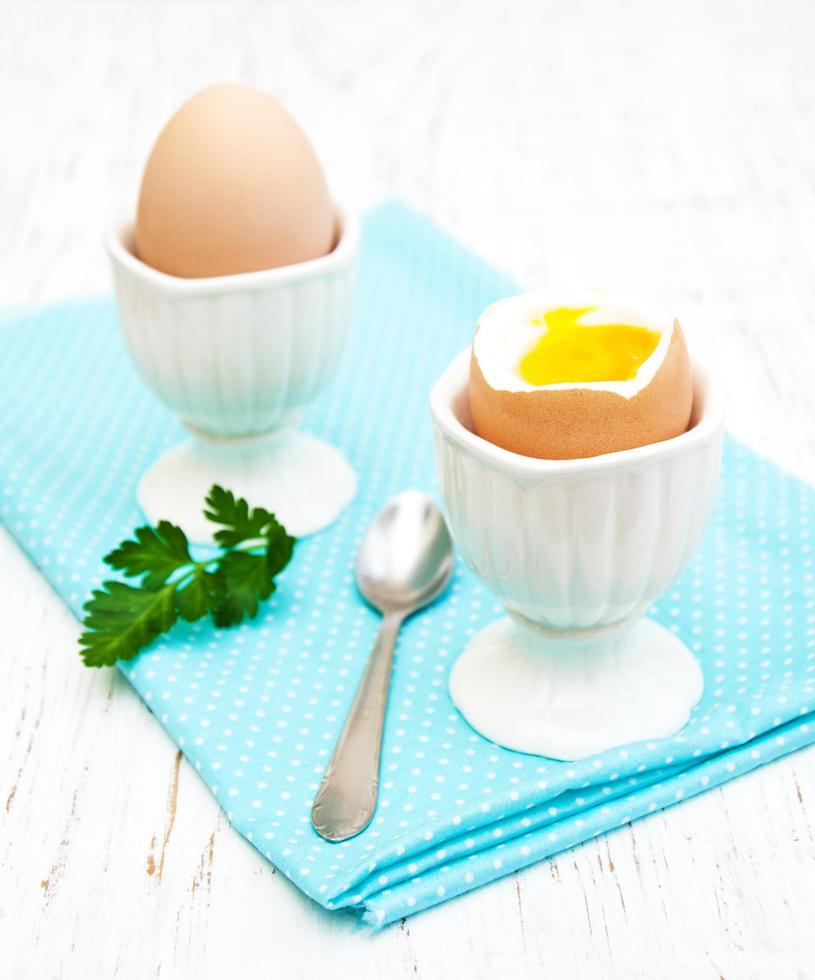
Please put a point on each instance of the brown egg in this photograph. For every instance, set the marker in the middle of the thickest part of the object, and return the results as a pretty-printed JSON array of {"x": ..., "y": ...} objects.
[
  {"x": 613, "y": 383},
  {"x": 232, "y": 185}
]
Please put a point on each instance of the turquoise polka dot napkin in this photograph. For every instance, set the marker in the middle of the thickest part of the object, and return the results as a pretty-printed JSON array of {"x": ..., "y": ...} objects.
[{"x": 257, "y": 709}]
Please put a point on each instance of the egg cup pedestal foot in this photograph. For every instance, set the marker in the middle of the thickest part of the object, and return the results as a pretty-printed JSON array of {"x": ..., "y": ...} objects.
[
  {"x": 303, "y": 481},
  {"x": 567, "y": 695}
]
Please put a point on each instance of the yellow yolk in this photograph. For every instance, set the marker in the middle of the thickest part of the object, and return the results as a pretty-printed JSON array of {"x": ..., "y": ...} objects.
[{"x": 570, "y": 352}]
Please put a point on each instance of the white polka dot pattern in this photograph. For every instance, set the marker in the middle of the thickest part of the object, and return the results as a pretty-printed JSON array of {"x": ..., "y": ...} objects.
[{"x": 257, "y": 709}]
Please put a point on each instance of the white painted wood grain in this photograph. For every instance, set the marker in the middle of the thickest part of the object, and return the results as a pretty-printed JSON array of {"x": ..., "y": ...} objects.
[{"x": 658, "y": 146}]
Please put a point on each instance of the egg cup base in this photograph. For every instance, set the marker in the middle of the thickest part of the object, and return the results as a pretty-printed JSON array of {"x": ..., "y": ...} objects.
[
  {"x": 568, "y": 695},
  {"x": 303, "y": 481}
]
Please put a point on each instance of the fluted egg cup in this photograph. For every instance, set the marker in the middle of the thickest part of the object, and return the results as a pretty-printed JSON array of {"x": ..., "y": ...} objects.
[
  {"x": 576, "y": 550},
  {"x": 238, "y": 358}
]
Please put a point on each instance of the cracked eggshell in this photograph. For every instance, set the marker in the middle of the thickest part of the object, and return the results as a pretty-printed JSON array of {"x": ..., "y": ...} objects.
[{"x": 571, "y": 421}]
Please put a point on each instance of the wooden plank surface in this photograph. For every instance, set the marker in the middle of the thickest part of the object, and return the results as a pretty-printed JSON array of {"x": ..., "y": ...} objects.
[{"x": 666, "y": 148}]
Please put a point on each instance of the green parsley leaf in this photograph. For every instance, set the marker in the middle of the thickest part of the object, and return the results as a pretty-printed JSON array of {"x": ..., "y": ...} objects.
[
  {"x": 279, "y": 546},
  {"x": 121, "y": 619},
  {"x": 247, "y": 580},
  {"x": 200, "y": 596},
  {"x": 157, "y": 553},
  {"x": 240, "y": 523}
]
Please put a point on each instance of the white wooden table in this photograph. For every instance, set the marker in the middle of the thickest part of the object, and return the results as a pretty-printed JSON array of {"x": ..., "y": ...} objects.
[{"x": 662, "y": 145}]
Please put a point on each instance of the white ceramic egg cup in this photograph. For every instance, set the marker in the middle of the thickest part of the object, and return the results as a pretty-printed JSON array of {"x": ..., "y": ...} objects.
[
  {"x": 238, "y": 358},
  {"x": 576, "y": 550}
]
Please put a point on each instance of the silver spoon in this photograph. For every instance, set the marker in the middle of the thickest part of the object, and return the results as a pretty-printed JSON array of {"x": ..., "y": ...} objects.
[{"x": 405, "y": 561}]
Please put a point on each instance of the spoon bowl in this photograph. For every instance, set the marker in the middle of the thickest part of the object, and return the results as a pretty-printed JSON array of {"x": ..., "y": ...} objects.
[{"x": 406, "y": 557}]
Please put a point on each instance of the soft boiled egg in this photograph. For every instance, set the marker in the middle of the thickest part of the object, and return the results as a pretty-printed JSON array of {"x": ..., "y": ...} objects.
[
  {"x": 578, "y": 378},
  {"x": 232, "y": 185}
]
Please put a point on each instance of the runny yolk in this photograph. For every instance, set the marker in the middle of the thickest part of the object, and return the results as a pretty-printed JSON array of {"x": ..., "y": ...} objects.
[{"x": 570, "y": 352}]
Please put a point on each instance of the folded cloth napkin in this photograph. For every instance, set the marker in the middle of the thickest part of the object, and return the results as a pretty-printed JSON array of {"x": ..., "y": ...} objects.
[{"x": 257, "y": 709}]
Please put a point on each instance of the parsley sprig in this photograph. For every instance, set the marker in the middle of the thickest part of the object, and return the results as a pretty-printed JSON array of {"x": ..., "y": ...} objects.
[{"x": 121, "y": 619}]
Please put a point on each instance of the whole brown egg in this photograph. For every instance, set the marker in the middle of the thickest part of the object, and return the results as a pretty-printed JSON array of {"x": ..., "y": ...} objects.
[{"x": 232, "y": 185}]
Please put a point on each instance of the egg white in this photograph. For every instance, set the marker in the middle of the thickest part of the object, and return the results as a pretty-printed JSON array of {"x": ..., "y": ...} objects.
[{"x": 504, "y": 335}]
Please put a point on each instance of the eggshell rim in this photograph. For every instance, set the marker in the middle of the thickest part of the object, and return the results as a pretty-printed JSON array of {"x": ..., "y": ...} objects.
[
  {"x": 340, "y": 257},
  {"x": 665, "y": 326},
  {"x": 453, "y": 382}
]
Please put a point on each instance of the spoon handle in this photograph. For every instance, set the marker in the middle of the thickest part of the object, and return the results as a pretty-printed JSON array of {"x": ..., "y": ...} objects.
[{"x": 346, "y": 799}]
